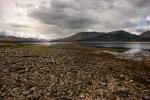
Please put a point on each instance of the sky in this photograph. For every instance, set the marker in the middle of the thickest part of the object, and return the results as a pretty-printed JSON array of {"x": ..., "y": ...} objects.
[{"x": 51, "y": 19}]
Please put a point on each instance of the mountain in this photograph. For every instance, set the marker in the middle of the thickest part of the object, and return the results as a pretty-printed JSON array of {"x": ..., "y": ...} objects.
[
  {"x": 115, "y": 36},
  {"x": 16, "y": 39},
  {"x": 80, "y": 36},
  {"x": 146, "y": 36}
]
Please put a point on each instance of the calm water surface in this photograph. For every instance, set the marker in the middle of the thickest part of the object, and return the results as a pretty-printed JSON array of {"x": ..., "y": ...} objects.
[
  {"x": 131, "y": 50},
  {"x": 129, "y": 45}
]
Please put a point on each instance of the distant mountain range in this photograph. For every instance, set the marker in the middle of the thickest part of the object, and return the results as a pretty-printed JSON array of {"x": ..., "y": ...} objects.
[
  {"x": 80, "y": 36},
  {"x": 146, "y": 35},
  {"x": 17, "y": 39},
  {"x": 115, "y": 36}
]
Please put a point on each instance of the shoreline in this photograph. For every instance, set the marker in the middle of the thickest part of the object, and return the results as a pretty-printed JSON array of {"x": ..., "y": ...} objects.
[{"x": 70, "y": 72}]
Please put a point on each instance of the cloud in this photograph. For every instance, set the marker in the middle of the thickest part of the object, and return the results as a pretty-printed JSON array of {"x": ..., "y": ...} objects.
[
  {"x": 19, "y": 25},
  {"x": 148, "y": 20},
  {"x": 141, "y": 3},
  {"x": 141, "y": 30},
  {"x": 2, "y": 33},
  {"x": 63, "y": 14},
  {"x": 60, "y": 18},
  {"x": 98, "y": 15},
  {"x": 128, "y": 24}
]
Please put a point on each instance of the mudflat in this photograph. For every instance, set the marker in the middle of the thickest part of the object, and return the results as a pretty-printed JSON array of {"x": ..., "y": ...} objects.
[{"x": 70, "y": 72}]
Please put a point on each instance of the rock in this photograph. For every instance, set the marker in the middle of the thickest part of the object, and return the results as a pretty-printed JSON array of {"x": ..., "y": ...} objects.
[
  {"x": 81, "y": 96},
  {"x": 122, "y": 92},
  {"x": 121, "y": 76},
  {"x": 15, "y": 92},
  {"x": 33, "y": 89},
  {"x": 2, "y": 94},
  {"x": 25, "y": 93},
  {"x": 68, "y": 72},
  {"x": 36, "y": 96},
  {"x": 103, "y": 99},
  {"x": 104, "y": 82},
  {"x": 29, "y": 96},
  {"x": 146, "y": 97},
  {"x": 131, "y": 81},
  {"x": 1, "y": 98},
  {"x": 47, "y": 94}
]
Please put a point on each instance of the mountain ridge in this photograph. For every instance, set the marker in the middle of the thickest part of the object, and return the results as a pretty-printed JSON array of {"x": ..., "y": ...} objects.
[
  {"x": 114, "y": 36},
  {"x": 15, "y": 39},
  {"x": 146, "y": 35},
  {"x": 80, "y": 36}
]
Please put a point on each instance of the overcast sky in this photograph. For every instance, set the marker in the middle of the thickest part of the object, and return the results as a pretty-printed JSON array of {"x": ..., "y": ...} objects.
[{"x": 52, "y": 19}]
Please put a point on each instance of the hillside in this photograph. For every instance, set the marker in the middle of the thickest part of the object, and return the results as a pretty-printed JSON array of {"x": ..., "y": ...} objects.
[
  {"x": 146, "y": 36},
  {"x": 81, "y": 36},
  {"x": 115, "y": 36},
  {"x": 16, "y": 39}
]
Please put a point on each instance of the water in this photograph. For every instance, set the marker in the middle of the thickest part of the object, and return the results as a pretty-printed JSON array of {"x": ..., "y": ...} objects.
[
  {"x": 136, "y": 54},
  {"x": 137, "y": 51},
  {"x": 127, "y": 45},
  {"x": 45, "y": 43},
  {"x": 131, "y": 50}
]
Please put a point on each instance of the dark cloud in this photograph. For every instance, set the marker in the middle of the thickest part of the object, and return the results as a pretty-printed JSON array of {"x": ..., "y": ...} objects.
[
  {"x": 128, "y": 24},
  {"x": 141, "y": 3},
  {"x": 71, "y": 14},
  {"x": 64, "y": 15},
  {"x": 141, "y": 30},
  {"x": 84, "y": 14},
  {"x": 19, "y": 25},
  {"x": 2, "y": 33},
  {"x": 52, "y": 17},
  {"x": 148, "y": 20}
]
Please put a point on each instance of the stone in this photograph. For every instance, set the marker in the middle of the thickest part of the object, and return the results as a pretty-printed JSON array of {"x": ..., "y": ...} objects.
[
  {"x": 33, "y": 89},
  {"x": 131, "y": 81},
  {"x": 15, "y": 92},
  {"x": 25, "y": 93},
  {"x": 104, "y": 83},
  {"x": 1, "y": 98},
  {"x": 81, "y": 96},
  {"x": 67, "y": 73},
  {"x": 146, "y": 97}
]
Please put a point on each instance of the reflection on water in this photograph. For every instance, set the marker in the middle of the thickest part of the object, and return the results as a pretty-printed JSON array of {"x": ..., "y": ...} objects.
[
  {"x": 130, "y": 45},
  {"x": 46, "y": 43},
  {"x": 135, "y": 54},
  {"x": 131, "y": 50}
]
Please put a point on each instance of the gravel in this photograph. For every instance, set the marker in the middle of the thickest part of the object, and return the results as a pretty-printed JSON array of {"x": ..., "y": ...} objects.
[{"x": 70, "y": 72}]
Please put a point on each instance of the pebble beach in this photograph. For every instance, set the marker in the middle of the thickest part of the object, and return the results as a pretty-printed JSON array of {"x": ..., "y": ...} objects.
[{"x": 70, "y": 72}]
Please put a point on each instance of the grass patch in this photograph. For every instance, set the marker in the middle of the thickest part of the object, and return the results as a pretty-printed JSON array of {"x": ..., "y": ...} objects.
[
  {"x": 26, "y": 47},
  {"x": 8, "y": 45}
]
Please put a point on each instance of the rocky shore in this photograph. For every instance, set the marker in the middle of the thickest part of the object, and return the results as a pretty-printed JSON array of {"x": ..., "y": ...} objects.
[{"x": 70, "y": 72}]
